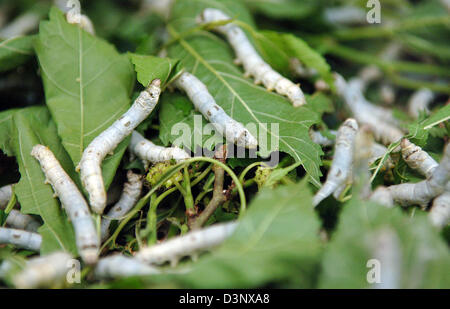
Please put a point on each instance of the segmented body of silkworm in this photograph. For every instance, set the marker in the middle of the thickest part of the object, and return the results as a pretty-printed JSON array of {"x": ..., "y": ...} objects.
[
  {"x": 421, "y": 193},
  {"x": 149, "y": 152},
  {"x": 204, "y": 102},
  {"x": 20, "y": 238},
  {"x": 380, "y": 120},
  {"x": 187, "y": 245},
  {"x": 253, "y": 64},
  {"x": 131, "y": 191},
  {"x": 73, "y": 202},
  {"x": 107, "y": 141},
  {"x": 44, "y": 271},
  {"x": 342, "y": 160},
  {"x": 118, "y": 265}
]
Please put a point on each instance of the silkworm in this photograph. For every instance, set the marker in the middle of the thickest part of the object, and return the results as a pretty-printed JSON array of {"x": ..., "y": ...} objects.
[
  {"x": 417, "y": 159},
  {"x": 204, "y": 102},
  {"x": 149, "y": 152},
  {"x": 191, "y": 243},
  {"x": 342, "y": 160},
  {"x": 81, "y": 21},
  {"x": 161, "y": 7},
  {"x": 75, "y": 205},
  {"x": 107, "y": 141},
  {"x": 253, "y": 64},
  {"x": 421, "y": 193},
  {"x": 440, "y": 210},
  {"x": 131, "y": 191},
  {"x": 118, "y": 265},
  {"x": 5, "y": 195},
  {"x": 20, "y": 238},
  {"x": 387, "y": 250},
  {"x": 15, "y": 218},
  {"x": 320, "y": 139},
  {"x": 419, "y": 102},
  {"x": 20, "y": 26},
  {"x": 380, "y": 120},
  {"x": 44, "y": 271},
  {"x": 21, "y": 221},
  {"x": 382, "y": 196},
  {"x": 345, "y": 15}
]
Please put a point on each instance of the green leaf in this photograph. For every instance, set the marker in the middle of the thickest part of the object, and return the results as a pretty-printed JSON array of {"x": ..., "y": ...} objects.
[
  {"x": 34, "y": 126},
  {"x": 423, "y": 259},
  {"x": 15, "y": 51},
  {"x": 210, "y": 59},
  {"x": 150, "y": 67},
  {"x": 277, "y": 239},
  {"x": 418, "y": 131},
  {"x": 308, "y": 56},
  {"x": 87, "y": 86},
  {"x": 6, "y": 129}
]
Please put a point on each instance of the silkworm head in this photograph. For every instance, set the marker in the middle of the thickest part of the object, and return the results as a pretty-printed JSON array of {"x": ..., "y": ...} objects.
[{"x": 154, "y": 88}]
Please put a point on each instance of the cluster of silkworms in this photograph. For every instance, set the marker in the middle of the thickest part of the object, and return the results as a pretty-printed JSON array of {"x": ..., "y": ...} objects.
[{"x": 50, "y": 270}]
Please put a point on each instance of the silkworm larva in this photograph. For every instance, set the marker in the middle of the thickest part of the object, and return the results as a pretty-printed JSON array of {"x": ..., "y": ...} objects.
[
  {"x": 81, "y": 21},
  {"x": 387, "y": 250},
  {"x": 191, "y": 243},
  {"x": 382, "y": 196},
  {"x": 380, "y": 120},
  {"x": 320, "y": 139},
  {"x": 130, "y": 194},
  {"x": 418, "y": 159},
  {"x": 345, "y": 15},
  {"x": 342, "y": 160},
  {"x": 44, "y": 271},
  {"x": 5, "y": 195},
  {"x": 203, "y": 101},
  {"x": 20, "y": 238},
  {"x": 419, "y": 102},
  {"x": 118, "y": 265},
  {"x": 18, "y": 220},
  {"x": 107, "y": 141},
  {"x": 15, "y": 218},
  {"x": 73, "y": 202},
  {"x": 161, "y": 7},
  {"x": 421, "y": 193},
  {"x": 20, "y": 26},
  {"x": 253, "y": 64},
  {"x": 440, "y": 211},
  {"x": 149, "y": 152}
]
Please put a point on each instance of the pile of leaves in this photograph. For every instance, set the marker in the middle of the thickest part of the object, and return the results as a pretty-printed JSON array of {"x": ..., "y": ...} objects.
[{"x": 61, "y": 86}]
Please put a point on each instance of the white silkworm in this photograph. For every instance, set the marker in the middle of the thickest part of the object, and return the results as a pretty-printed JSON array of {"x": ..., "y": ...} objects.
[
  {"x": 118, "y": 265},
  {"x": 131, "y": 191},
  {"x": 191, "y": 243},
  {"x": 20, "y": 26},
  {"x": 75, "y": 205},
  {"x": 417, "y": 159},
  {"x": 342, "y": 160},
  {"x": 149, "y": 152},
  {"x": 203, "y": 101},
  {"x": 380, "y": 120},
  {"x": 44, "y": 271},
  {"x": 161, "y": 7},
  {"x": 107, "y": 141},
  {"x": 20, "y": 238},
  {"x": 253, "y": 64},
  {"x": 440, "y": 211},
  {"x": 345, "y": 15},
  {"x": 81, "y": 20},
  {"x": 18, "y": 220},
  {"x": 320, "y": 139},
  {"x": 421, "y": 193},
  {"x": 5, "y": 195},
  {"x": 382, "y": 196},
  {"x": 387, "y": 250},
  {"x": 419, "y": 102},
  {"x": 15, "y": 218}
]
